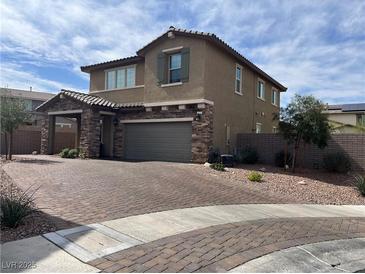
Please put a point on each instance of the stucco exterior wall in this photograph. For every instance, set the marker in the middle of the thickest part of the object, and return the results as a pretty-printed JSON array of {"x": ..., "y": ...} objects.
[
  {"x": 238, "y": 112},
  {"x": 193, "y": 89},
  {"x": 123, "y": 95},
  {"x": 97, "y": 78},
  {"x": 345, "y": 118}
]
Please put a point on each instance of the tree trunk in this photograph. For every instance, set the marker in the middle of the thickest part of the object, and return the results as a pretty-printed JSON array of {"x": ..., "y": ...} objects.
[
  {"x": 295, "y": 153},
  {"x": 10, "y": 145},
  {"x": 6, "y": 144}
]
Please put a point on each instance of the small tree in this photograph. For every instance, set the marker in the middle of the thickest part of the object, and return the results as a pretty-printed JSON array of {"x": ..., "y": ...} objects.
[
  {"x": 303, "y": 120},
  {"x": 12, "y": 114}
]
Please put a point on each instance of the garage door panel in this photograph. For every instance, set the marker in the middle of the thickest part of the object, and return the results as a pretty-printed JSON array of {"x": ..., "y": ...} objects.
[{"x": 158, "y": 141}]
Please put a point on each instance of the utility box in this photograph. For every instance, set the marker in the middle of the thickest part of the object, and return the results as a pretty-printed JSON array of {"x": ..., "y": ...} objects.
[{"x": 227, "y": 160}]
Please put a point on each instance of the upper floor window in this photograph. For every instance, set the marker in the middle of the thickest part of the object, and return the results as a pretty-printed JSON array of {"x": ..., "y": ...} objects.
[
  {"x": 261, "y": 89},
  {"x": 274, "y": 97},
  {"x": 175, "y": 68},
  {"x": 238, "y": 80},
  {"x": 124, "y": 77}
]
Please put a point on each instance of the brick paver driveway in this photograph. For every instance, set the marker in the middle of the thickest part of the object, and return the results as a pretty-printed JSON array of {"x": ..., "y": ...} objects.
[
  {"x": 223, "y": 247},
  {"x": 89, "y": 191}
]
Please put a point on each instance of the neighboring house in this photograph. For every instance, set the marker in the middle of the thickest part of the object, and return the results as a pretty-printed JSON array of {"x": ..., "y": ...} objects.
[
  {"x": 33, "y": 99},
  {"x": 347, "y": 118},
  {"x": 182, "y": 94}
]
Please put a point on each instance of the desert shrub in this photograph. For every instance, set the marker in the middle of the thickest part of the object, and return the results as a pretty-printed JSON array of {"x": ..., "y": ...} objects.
[
  {"x": 73, "y": 153},
  {"x": 217, "y": 166},
  {"x": 214, "y": 155},
  {"x": 64, "y": 153},
  {"x": 360, "y": 184},
  {"x": 280, "y": 158},
  {"x": 248, "y": 155},
  {"x": 16, "y": 207},
  {"x": 255, "y": 176},
  {"x": 336, "y": 162}
]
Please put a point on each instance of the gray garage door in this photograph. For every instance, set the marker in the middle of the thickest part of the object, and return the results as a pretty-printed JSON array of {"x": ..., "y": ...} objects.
[{"x": 158, "y": 141}]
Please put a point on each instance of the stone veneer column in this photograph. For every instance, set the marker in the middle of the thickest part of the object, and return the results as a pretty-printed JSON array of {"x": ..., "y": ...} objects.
[
  {"x": 202, "y": 135},
  {"x": 90, "y": 133},
  {"x": 118, "y": 139},
  {"x": 44, "y": 135}
]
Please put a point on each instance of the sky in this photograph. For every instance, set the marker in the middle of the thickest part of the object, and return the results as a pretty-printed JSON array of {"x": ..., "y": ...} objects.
[{"x": 311, "y": 47}]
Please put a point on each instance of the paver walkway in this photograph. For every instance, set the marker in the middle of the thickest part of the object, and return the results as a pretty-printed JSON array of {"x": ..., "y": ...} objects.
[
  {"x": 221, "y": 248},
  {"x": 90, "y": 191}
]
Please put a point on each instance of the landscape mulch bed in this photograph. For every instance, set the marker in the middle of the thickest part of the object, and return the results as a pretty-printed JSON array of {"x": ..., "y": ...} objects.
[
  {"x": 35, "y": 224},
  {"x": 305, "y": 186}
]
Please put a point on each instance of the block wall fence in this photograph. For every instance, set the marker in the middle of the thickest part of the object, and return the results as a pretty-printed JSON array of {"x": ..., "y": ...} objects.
[{"x": 310, "y": 156}]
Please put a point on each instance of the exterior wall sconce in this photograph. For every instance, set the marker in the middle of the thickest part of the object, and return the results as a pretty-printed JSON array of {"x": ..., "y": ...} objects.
[
  {"x": 115, "y": 121},
  {"x": 198, "y": 116}
]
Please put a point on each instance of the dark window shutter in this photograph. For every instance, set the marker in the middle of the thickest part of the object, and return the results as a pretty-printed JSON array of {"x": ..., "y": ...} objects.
[
  {"x": 185, "y": 60},
  {"x": 161, "y": 68}
]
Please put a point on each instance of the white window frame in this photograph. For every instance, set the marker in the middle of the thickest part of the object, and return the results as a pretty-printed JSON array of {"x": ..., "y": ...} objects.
[
  {"x": 274, "y": 129},
  {"x": 235, "y": 79},
  {"x": 258, "y": 88},
  {"x": 170, "y": 69},
  {"x": 274, "y": 95},
  {"x": 125, "y": 77},
  {"x": 258, "y": 125}
]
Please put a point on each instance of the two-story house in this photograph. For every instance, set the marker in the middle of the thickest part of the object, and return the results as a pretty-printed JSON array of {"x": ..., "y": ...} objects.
[{"x": 182, "y": 94}]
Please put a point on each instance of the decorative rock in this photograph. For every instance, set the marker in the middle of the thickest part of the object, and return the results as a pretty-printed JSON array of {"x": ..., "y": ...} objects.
[
  {"x": 206, "y": 164},
  {"x": 302, "y": 183},
  {"x": 262, "y": 169},
  {"x": 34, "y": 152}
]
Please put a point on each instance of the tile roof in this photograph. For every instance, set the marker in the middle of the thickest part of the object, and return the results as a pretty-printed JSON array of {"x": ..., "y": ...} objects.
[
  {"x": 90, "y": 100},
  {"x": 199, "y": 34},
  {"x": 348, "y": 107},
  {"x": 117, "y": 62}
]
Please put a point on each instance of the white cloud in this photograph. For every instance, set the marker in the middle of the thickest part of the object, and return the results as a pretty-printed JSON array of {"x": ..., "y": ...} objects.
[
  {"x": 312, "y": 47},
  {"x": 13, "y": 76}
]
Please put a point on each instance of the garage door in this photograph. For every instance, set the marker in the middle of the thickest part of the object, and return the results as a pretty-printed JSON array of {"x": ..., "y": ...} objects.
[{"x": 158, "y": 141}]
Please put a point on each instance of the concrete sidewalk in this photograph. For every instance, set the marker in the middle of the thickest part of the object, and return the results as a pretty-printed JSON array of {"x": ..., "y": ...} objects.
[
  {"x": 87, "y": 243},
  {"x": 333, "y": 256}
]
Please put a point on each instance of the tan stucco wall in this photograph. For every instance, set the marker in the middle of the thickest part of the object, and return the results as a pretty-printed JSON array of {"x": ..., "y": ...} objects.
[
  {"x": 131, "y": 95},
  {"x": 193, "y": 89},
  {"x": 240, "y": 113},
  {"x": 97, "y": 78},
  {"x": 345, "y": 118}
]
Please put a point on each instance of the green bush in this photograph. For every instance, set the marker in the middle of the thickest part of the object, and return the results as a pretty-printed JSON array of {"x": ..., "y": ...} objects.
[
  {"x": 73, "y": 153},
  {"x": 16, "y": 207},
  {"x": 336, "y": 162},
  {"x": 217, "y": 166},
  {"x": 248, "y": 155},
  {"x": 69, "y": 153},
  {"x": 214, "y": 155},
  {"x": 64, "y": 153},
  {"x": 255, "y": 176},
  {"x": 360, "y": 184},
  {"x": 280, "y": 159}
]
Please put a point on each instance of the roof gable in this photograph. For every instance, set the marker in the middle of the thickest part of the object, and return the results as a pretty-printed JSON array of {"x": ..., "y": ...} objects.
[{"x": 212, "y": 38}]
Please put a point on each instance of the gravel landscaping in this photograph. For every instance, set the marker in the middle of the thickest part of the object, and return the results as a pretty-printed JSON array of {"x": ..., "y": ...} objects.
[
  {"x": 305, "y": 186},
  {"x": 35, "y": 224}
]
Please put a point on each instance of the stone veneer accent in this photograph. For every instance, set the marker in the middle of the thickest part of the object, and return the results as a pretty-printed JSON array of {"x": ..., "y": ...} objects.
[
  {"x": 202, "y": 129},
  {"x": 89, "y": 131}
]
